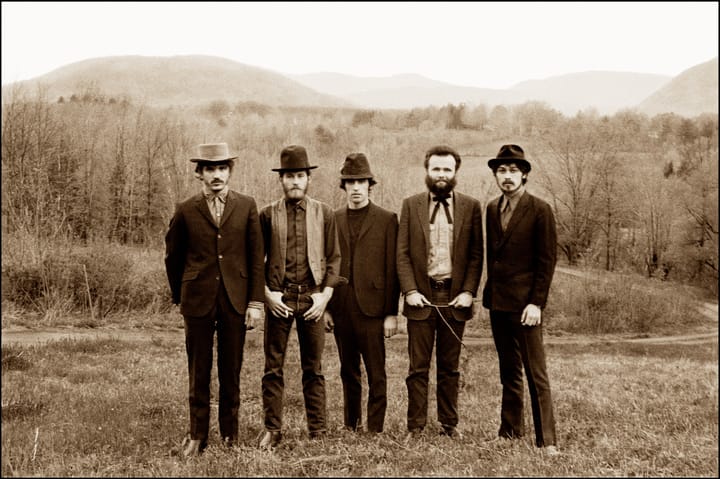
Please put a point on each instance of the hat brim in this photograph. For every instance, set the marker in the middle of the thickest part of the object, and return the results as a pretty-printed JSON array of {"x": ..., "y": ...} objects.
[
  {"x": 212, "y": 160},
  {"x": 495, "y": 162},
  {"x": 295, "y": 169},
  {"x": 357, "y": 177}
]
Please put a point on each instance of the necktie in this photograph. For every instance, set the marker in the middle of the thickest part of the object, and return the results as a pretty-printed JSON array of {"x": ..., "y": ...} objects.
[
  {"x": 505, "y": 214},
  {"x": 216, "y": 209},
  {"x": 441, "y": 200}
]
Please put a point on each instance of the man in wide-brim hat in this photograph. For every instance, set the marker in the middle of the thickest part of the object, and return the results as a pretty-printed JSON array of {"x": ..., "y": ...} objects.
[
  {"x": 214, "y": 263},
  {"x": 301, "y": 272},
  {"x": 365, "y": 310},
  {"x": 521, "y": 254}
]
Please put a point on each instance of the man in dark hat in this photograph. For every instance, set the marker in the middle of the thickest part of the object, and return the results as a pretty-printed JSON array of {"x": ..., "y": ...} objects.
[
  {"x": 439, "y": 262},
  {"x": 521, "y": 248},
  {"x": 214, "y": 262},
  {"x": 365, "y": 309},
  {"x": 301, "y": 271}
]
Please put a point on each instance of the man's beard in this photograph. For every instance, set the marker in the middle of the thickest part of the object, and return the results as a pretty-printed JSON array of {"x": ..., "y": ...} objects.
[
  {"x": 440, "y": 190},
  {"x": 293, "y": 195}
]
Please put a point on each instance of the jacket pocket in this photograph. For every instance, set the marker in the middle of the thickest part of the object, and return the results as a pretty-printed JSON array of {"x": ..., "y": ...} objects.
[{"x": 190, "y": 275}]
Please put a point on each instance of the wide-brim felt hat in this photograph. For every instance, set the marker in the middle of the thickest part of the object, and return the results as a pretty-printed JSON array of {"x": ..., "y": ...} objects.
[
  {"x": 510, "y": 154},
  {"x": 212, "y": 153},
  {"x": 356, "y": 167},
  {"x": 294, "y": 158}
]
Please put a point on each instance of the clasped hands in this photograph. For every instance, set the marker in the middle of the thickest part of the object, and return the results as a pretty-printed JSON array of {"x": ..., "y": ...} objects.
[
  {"x": 274, "y": 301},
  {"x": 418, "y": 300}
]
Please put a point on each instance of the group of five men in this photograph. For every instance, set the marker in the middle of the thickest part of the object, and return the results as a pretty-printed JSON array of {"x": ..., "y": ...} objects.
[{"x": 344, "y": 271}]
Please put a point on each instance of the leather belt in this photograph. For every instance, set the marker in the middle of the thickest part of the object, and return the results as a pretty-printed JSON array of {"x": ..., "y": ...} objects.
[
  {"x": 297, "y": 288},
  {"x": 440, "y": 284}
]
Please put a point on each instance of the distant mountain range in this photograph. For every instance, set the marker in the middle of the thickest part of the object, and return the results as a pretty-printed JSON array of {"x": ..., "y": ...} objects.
[{"x": 198, "y": 79}]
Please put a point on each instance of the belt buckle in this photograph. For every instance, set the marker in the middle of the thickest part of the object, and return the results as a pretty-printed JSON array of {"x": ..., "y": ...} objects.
[{"x": 439, "y": 284}]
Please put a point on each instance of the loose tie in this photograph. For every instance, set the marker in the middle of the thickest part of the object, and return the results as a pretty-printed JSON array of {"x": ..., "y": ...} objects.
[
  {"x": 505, "y": 214},
  {"x": 441, "y": 200}
]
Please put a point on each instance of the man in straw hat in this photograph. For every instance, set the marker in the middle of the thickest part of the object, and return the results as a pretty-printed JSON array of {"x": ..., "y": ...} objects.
[
  {"x": 521, "y": 249},
  {"x": 365, "y": 309},
  {"x": 214, "y": 262},
  {"x": 301, "y": 271},
  {"x": 439, "y": 262}
]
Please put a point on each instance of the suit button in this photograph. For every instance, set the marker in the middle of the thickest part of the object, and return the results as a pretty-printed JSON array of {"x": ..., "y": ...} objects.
[
  {"x": 219, "y": 236},
  {"x": 217, "y": 278},
  {"x": 220, "y": 256}
]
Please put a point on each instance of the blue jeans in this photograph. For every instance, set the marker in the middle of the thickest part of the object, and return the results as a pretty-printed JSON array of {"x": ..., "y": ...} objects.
[
  {"x": 311, "y": 338},
  {"x": 421, "y": 336}
]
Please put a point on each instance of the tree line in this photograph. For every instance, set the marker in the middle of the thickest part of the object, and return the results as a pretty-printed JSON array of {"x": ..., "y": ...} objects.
[{"x": 630, "y": 192}]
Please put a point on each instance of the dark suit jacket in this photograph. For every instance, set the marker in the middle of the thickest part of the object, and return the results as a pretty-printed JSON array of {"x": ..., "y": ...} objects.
[
  {"x": 414, "y": 245},
  {"x": 521, "y": 261},
  {"x": 198, "y": 254},
  {"x": 374, "y": 273}
]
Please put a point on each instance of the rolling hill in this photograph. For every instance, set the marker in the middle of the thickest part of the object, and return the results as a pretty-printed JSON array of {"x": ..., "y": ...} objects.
[
  {"x": 692, "y": 92},
  {"x": 179, "y": 80}
]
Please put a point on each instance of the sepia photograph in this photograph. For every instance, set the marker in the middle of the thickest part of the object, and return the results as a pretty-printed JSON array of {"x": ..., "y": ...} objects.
[{"x": 359, "y": 239}]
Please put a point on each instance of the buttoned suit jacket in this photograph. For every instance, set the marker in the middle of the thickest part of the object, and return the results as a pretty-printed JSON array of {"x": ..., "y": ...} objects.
[
  {"x": 374, "y": 271},
  {"x": 521, "y": 260},
  {"x": 414, "y": 247},
  {"x": 200, "y": 255}
]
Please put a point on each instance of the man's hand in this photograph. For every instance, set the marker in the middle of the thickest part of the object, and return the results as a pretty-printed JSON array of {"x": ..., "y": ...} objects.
[
  {"x": 390, "y": 326},
  {"x": 417, "y": 299},
  {"x": 329, "y": 322},
  {"x": 252, "y": 316},
  {"x": 320, "y": 301},
  {"x": 531, "y": 315},
  {"x": 273, "y": 299},
  {"x": 462, "y": 300}
]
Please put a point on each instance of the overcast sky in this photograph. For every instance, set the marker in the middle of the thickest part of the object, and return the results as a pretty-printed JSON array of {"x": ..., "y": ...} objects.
[{"x": 491, "y": 45}]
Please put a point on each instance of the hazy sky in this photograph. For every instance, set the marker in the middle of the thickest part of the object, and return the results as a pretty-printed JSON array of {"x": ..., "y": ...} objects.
[{"x": 492, "y": 45}]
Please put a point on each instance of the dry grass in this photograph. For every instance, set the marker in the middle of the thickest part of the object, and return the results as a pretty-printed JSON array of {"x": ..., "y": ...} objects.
[{"x": 119, "y": 408}]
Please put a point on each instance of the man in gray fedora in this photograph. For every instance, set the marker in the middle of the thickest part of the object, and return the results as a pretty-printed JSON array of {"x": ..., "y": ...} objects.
[
  {"x": 364, "y": 310},
  {"x": 214, "y": 264},
  {"x": 301, "y": 271}
]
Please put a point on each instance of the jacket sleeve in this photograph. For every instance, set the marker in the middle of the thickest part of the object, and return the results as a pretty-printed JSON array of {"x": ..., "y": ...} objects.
[
  {"x": 475, "y": 253},
  {"x": 545, "y": 255},
  {"x": 332, "y": 250},
  {"x": 392, "y": 286},
  {"x": 404, "y": 262},
  {"x": 175, "y": 249},
  {"x": 256, "y": 255}
]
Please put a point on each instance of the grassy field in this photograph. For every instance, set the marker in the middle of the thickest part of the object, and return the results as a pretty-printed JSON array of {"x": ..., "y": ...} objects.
[{"x": 112, "y": 407}]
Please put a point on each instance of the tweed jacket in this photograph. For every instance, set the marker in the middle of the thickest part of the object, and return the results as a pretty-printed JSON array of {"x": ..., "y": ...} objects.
[
  {"x": 520, "y": 261},
  {"x": 414, "y": 246},
  {"x": 374, "y": 272},
  {"x": 200, "y": 255}
]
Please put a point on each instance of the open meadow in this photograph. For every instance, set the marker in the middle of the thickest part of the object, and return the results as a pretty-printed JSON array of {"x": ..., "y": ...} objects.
[{"x": 117, "y": 407}]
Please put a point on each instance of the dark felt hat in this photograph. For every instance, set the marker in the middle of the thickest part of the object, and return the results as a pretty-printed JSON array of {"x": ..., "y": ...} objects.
[
  {"x": 293, "y": 158},
  {"x": 510, "y": 154},
  {"x": 356, "y": 167},
  {"x": 212, "y": 153}
]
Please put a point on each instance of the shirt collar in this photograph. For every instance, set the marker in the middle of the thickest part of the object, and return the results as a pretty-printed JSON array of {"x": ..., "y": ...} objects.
[
  {"x": 222, "y": 194},
  {"x": 514, "y": 199},
  {"x": 432, "y": 196},
  {"x": 302, "y": 204}
]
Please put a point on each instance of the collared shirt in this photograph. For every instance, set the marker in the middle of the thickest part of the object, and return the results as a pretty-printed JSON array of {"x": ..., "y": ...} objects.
[
  {"x": 441, "y": 236},
  {"x": 297, "y": 268},
  {"x": 514, "y": 200},
  {"x": 216, "y": 207}
]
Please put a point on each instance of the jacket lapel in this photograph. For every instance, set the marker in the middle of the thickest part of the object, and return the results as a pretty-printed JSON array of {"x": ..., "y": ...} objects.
[
  {"x": 522, "y": 208},
  {"x": 369, "y": 219},
  {"x": 202, "y": 205},
  {"x": 459, "y": 210},
  {"x": 421, "y": 209},
  {"x": 342, "y": 228},
  {"x": 230, "y": 204}
]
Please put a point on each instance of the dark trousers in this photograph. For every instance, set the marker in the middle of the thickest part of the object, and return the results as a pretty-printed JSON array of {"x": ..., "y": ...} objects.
[
  {"x": 358, "y": 336},
  {"x": 199, "y": 333},
  {"x": 311, "y": 338},
  {"x": 519, "y": 346},
  {"x": 421, "y": 336}
]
